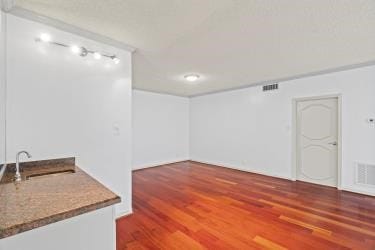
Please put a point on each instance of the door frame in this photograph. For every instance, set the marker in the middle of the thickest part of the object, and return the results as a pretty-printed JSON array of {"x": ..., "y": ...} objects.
[{"x": 339, "y": 135}]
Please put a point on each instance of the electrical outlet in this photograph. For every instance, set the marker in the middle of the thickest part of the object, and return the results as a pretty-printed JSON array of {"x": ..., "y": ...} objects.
[{"x": 116, "y": 129}]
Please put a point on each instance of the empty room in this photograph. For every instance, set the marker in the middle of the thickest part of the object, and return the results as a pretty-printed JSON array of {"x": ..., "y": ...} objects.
[{"x": 187, "y": 124}]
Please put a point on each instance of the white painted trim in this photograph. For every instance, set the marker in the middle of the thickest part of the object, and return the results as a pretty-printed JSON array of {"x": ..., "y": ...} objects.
[
  {"x": 158, "y": 164},
  {"x": 158, "y": 92},
  {"x": 3, "y": 79},
  {"x": 339, "y": 146},
  {"x": 121, "y": 214},
  {"x": 131, "y": 139},
  {"x": 114, "y": 228},
  {"x": 358, "y": 191},
  {"x": 289, "y": 78},
  {"x": 241, "y": 169},
  {"x": 339, "y": 134},
  {"x": 257, "y": 84},
  {"x": 33, "y": 16}
]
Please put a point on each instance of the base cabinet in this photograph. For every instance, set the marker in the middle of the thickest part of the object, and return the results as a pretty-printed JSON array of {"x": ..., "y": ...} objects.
[{"x": 91, "y": 231}]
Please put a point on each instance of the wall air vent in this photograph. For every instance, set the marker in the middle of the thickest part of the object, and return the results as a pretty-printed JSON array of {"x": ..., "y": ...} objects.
[
  {"x": 270, "y": 87},
  {"x": 365, "y": 174}
]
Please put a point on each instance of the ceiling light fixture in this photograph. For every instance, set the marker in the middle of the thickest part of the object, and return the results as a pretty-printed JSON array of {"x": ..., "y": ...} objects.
[
  {"x": 192, "y": 78},
  {"x": 75, "y": 49},
  {"x": 45, "y": 38},
  {"x": 78, "y": 50},
  {"x": 116, "y": 60},
  {"x": 97, "y": 55}
]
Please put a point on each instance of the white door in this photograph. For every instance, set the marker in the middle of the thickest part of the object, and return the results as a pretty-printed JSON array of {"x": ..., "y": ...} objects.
[{"x": 317, "y": 128}]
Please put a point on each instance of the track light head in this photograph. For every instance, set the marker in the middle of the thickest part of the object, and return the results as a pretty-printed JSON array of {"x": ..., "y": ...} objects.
[{"x": 84, "y": 52}]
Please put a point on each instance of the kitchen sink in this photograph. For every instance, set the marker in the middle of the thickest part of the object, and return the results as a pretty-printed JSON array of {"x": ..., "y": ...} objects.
[{"x": 50, "y": 174}]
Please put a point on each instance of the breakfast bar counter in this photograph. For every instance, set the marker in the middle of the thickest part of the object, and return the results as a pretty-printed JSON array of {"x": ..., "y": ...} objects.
[{"x": 51, "y": 191}]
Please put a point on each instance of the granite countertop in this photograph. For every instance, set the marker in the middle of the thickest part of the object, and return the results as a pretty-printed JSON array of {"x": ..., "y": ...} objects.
[{"x": 45, "y": 199}]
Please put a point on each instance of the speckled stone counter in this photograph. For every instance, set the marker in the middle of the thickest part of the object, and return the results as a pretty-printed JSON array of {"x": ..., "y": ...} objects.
[{"x": 41, "y": 199}]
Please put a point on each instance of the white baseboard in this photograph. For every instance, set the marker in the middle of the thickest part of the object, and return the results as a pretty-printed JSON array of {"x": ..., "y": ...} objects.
[
  {"x": 349, "y": 189},
  {"x": 120, "y": 214},
  {"x": 159, "y": 163},
  {"x": 243, "y": 169},
  {"x": 358, "y": 191}
]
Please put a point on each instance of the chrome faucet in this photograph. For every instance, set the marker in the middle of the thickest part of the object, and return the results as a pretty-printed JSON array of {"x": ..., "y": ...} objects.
[{"x": 17, "y": 177}]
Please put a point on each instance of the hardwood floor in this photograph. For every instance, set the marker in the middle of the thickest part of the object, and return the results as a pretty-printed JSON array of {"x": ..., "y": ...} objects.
[{"x": 197, "y": 206}]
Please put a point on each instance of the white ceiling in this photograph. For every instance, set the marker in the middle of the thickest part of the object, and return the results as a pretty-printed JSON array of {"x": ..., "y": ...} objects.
[{"x": 230, "y": 43}]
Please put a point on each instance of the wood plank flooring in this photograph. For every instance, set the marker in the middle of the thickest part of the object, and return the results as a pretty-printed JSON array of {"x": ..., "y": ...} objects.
[{"x": 191, "y": 205}]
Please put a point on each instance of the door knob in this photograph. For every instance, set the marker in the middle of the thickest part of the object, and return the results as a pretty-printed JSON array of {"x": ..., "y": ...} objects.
[{"x": 333, "y": 143}]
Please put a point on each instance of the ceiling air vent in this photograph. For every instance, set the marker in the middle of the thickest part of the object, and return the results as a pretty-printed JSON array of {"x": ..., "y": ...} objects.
[
  {"x": 270, "y": 87},
  {"x": 365, "y": 174}
]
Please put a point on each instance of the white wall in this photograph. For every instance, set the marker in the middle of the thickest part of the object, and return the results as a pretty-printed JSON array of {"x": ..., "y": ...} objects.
[
  {"x": 251, "y": 130},
  {"x": 2, "y": 88},
  {"x": 62, "y": 105},
  {"x": 160, "y": 129}
]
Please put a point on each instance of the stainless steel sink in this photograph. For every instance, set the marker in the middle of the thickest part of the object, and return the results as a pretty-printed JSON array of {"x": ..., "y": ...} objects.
[{"x": 49, "y": 174}]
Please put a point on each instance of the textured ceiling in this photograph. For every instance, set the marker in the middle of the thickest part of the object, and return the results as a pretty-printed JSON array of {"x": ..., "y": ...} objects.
[{"x": 230, "y": 43}]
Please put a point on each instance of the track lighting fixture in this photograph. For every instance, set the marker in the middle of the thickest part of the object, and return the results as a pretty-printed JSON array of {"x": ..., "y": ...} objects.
[{"x": 79, "y": 50}]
